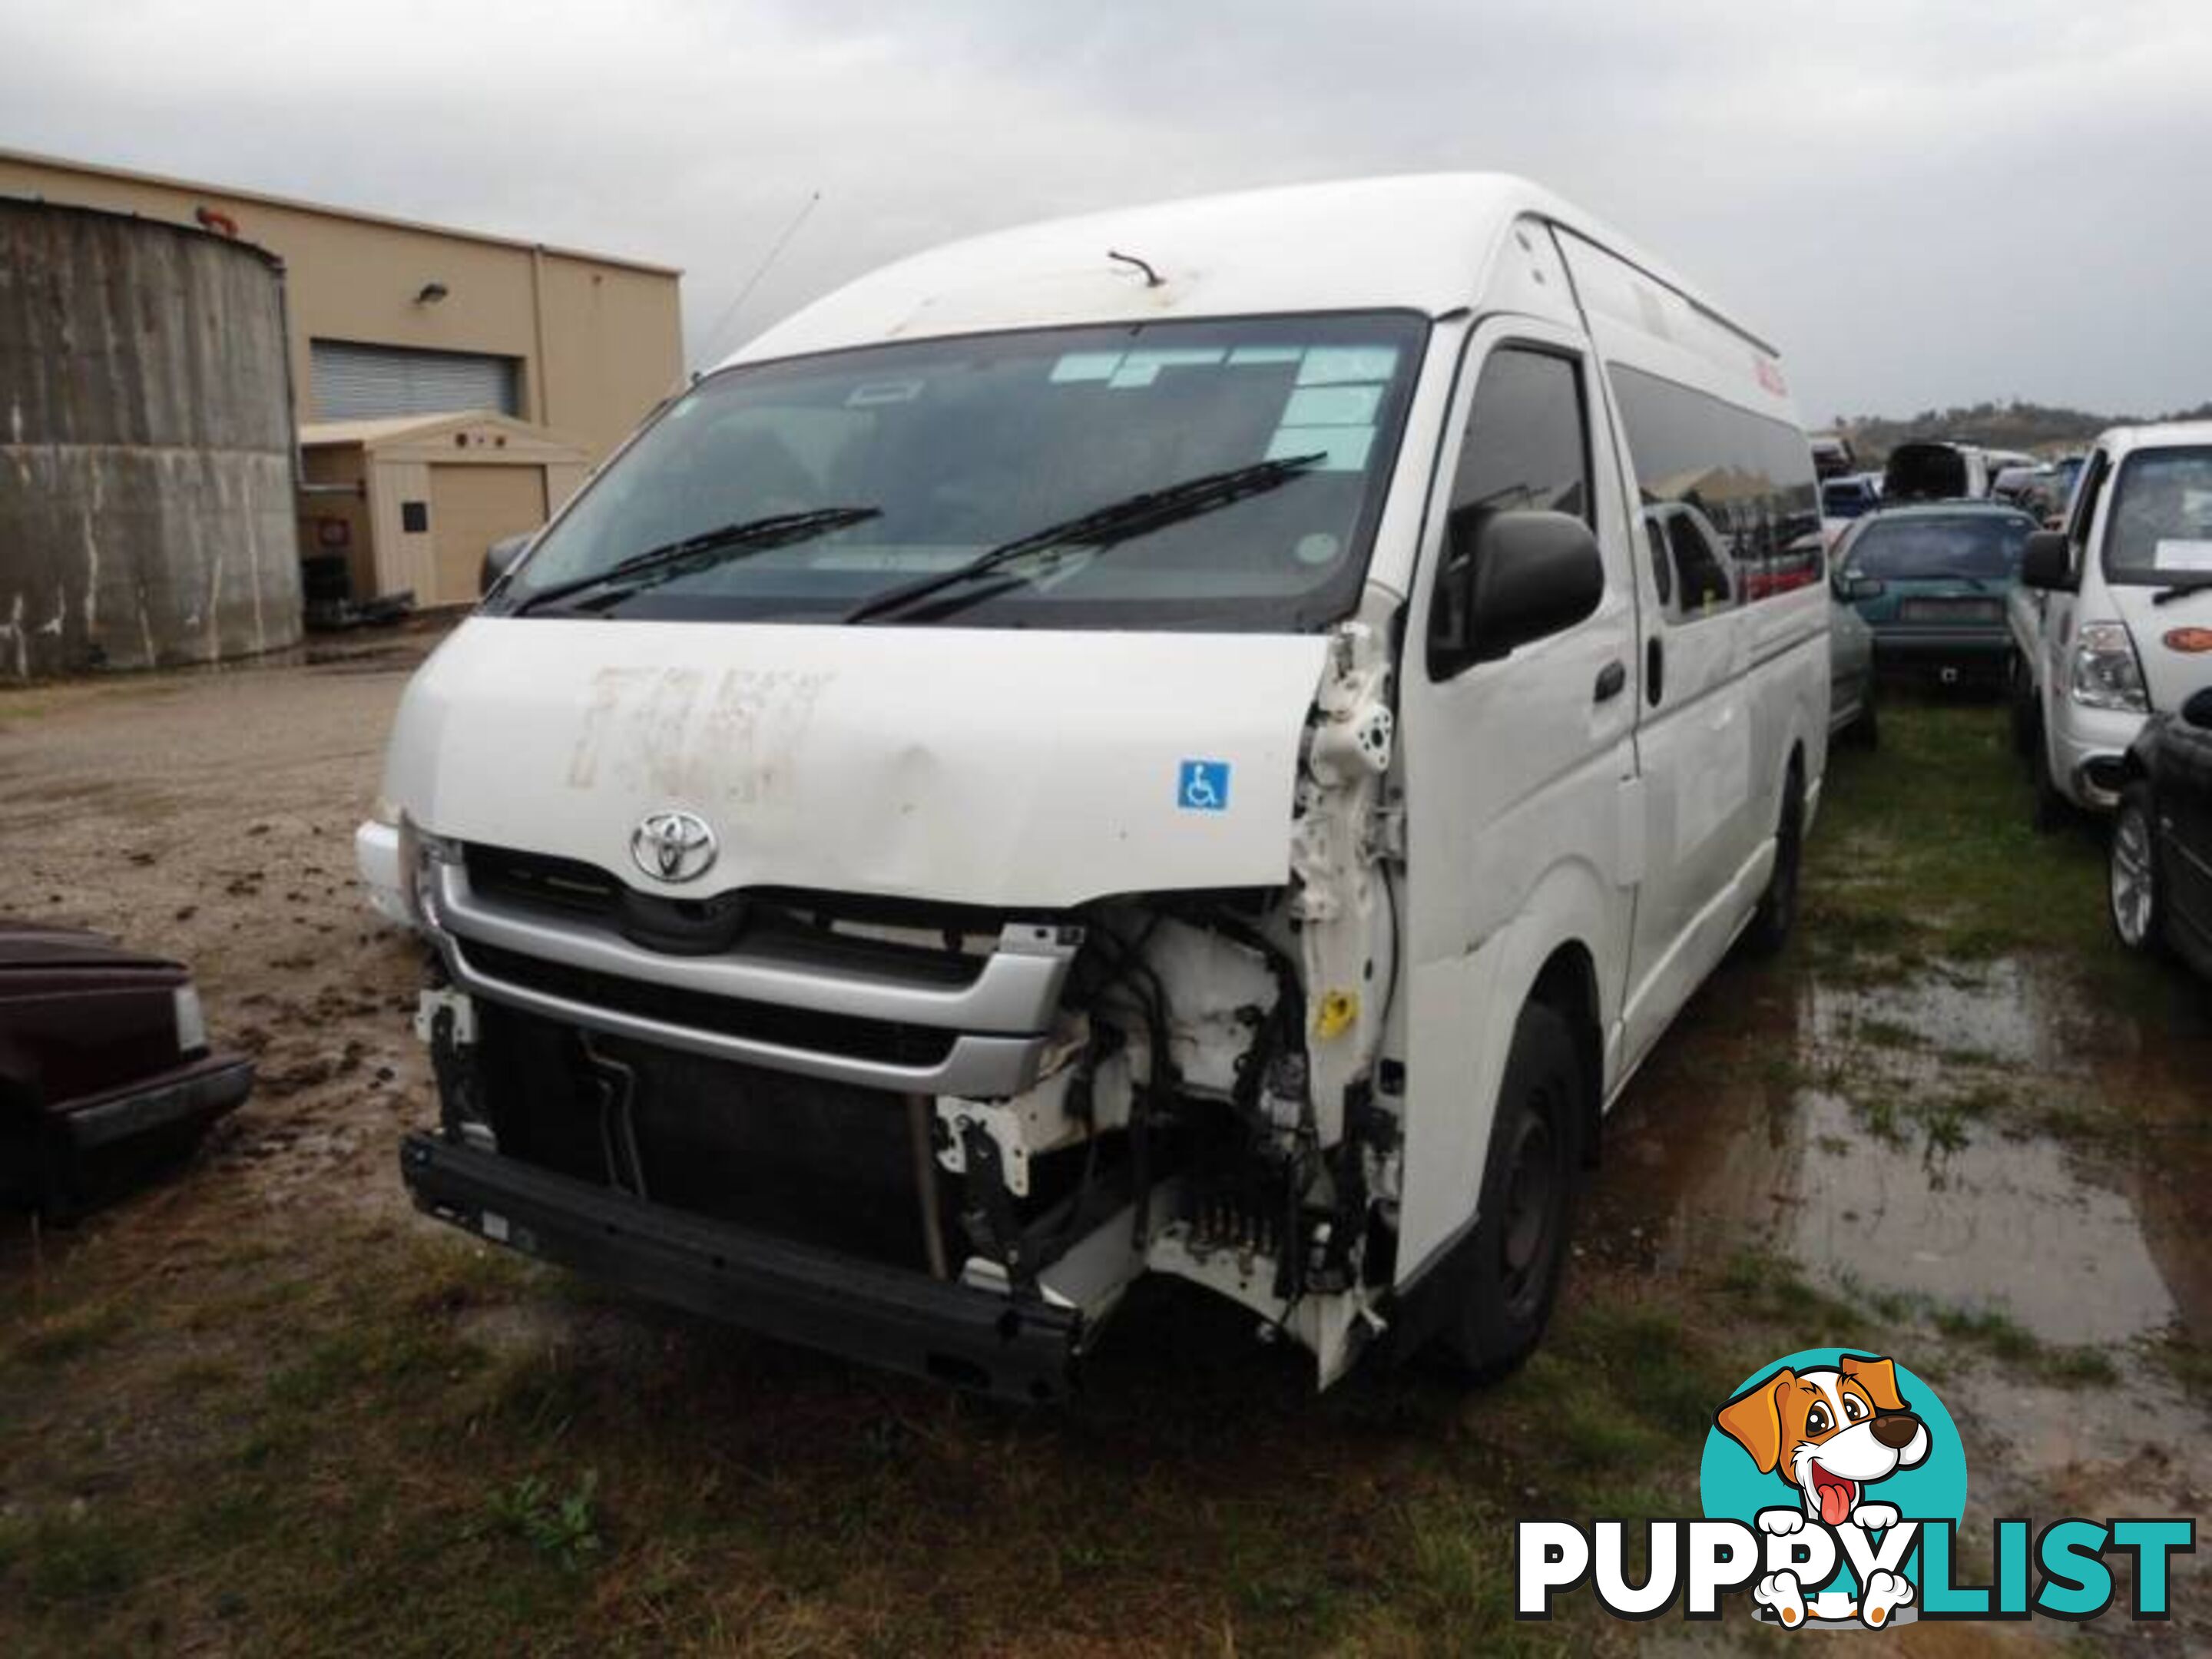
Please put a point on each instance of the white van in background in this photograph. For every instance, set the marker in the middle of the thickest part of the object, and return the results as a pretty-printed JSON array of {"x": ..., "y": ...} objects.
[
  {"x": 1208, "y": 740},
  {"x": 2114, "y": 621},
  {"x": 1936, "y": 470}
]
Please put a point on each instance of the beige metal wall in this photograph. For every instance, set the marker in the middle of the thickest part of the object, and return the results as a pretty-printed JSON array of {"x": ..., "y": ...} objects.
[
  {"x": 599, "y": 339},
  {"x": 471, "y": 506}
]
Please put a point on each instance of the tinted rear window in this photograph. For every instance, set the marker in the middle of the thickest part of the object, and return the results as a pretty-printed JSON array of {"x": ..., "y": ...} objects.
[{"x": 1985, "y": 547}]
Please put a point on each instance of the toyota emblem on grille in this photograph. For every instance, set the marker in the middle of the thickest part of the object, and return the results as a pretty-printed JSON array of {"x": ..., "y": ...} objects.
[{"x": 673, "y": 846}]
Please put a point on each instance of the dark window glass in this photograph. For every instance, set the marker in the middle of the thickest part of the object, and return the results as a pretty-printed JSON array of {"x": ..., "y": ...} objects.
[
  {"x": 1662, "y": 574},
  {"x": 1745, "y": 480},
  {"x": 1701, "y": 575},
  {"x": 1527, "y": 447},
  {"x": 414, "y": 517},
  {"x": 2161, "y": 517},
  {"x": 2088, "y": 489},
  {"x": 1980, "y": 547},
  {"x": 1526, "y": 443}
]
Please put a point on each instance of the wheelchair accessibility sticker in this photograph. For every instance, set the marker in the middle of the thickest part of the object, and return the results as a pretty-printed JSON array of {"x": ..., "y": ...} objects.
[{"x": 1202, "y": 785}]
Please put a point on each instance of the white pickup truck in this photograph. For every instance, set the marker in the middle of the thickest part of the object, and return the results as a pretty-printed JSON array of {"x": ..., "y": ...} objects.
[{"x": 2112, "y": 619}]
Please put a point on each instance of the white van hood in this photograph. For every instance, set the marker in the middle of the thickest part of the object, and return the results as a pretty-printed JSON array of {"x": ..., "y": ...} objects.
[{"x": 976, "y": 766}]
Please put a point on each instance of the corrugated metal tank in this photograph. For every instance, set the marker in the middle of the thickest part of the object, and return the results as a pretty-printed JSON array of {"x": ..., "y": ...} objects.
[{"x": 147, "y": 512}]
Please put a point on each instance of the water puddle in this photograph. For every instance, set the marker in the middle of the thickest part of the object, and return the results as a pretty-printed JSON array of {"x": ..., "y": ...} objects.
[
  {"x": 1986, "y": 1154},
  {"x": 1981, "y": 1140}
]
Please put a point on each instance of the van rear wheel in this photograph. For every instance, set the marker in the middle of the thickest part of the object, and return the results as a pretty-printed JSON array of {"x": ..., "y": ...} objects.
[
  {"x": 1865, "y": 730},
  {"x": 1508, "y": 1271},
  {"x": 1777, "y": 906}
]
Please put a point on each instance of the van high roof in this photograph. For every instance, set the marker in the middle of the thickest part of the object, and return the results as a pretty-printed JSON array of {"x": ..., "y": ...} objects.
[{"x": 1422, "y": 242}]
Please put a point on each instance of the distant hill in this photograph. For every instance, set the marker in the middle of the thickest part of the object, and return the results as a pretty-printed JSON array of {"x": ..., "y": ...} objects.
[{"x": 2039, "y": 428}]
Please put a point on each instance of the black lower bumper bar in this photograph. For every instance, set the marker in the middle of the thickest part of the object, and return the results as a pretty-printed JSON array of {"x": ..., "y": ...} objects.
[
  {"x": 186, "y": 1100},
  {"x": 1022, "y": 1349}
]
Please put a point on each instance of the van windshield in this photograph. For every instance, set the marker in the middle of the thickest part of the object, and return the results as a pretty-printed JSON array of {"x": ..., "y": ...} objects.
[
  {"x": 802, "y": 491},
  {"x": 2161, "y": 518}
]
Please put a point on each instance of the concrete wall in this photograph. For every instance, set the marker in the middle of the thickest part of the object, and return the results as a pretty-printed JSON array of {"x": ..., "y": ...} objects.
[
  {"x": 599, "y": 339},
  {"x": 146, "y": 461}
]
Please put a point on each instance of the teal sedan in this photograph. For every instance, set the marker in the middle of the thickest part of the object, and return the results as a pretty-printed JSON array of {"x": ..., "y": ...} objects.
[{"x": 1931, "y": 581}]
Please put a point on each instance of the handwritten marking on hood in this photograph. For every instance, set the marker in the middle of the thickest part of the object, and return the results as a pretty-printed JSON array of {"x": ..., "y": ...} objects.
[{"x": 663, "y": 732}]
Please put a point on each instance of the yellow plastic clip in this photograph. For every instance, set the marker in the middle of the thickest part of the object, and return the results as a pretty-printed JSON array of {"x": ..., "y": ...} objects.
[{"x": 1337, "y": 1013}]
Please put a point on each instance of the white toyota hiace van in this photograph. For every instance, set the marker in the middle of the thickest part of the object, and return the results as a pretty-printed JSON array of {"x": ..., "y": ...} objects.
[{"x": 1158, "y": 743}]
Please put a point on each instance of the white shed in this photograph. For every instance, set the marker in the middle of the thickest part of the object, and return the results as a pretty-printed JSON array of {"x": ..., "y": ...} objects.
[{"x": 412, "y": 502}]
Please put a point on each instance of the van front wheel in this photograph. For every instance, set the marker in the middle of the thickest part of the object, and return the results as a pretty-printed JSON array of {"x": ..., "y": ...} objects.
[{"x": 1510, "y": 1266}]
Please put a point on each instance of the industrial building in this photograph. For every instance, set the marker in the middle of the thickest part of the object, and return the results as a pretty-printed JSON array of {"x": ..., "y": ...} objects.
[
  {"x": 391, "y": 317},
  {"x": 205, "y": 384}
]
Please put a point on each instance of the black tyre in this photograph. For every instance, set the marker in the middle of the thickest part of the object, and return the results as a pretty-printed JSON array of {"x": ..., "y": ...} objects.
[
  {"x": 2135, "y": 891},
  {"x": 1506, "y": 1276},
  {"x": 2027, "y": 713},
  {"x": 2047, "y": 809},
  {"x": 1865, "y": 732},
  {"x": 1777, "y": 906}
]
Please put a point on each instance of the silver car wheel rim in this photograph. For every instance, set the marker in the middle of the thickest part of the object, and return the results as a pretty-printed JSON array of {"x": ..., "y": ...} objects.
[{"x": 2131, "y": 876}]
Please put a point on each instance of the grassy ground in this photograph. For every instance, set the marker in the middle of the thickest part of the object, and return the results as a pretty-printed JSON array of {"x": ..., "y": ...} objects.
[{"x": 290, "y": 1433}]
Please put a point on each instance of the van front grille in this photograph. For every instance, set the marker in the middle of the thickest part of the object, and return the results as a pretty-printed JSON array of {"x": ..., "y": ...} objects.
[{"x": 884, "y": 1041}]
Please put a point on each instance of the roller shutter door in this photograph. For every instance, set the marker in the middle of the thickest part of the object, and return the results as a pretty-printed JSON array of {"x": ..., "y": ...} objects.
[{"x": 369, "y": 382}]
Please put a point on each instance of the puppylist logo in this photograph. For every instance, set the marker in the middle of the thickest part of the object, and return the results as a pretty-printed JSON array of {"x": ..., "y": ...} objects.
[{"x": 1833, "y": 1484}]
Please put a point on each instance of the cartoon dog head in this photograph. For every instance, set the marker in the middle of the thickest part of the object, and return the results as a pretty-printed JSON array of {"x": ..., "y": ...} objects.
[{"x": 1831, "y": 1433}]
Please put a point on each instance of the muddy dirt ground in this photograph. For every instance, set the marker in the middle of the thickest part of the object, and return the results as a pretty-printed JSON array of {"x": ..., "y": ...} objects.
[{"x": 262, "y": 1406}]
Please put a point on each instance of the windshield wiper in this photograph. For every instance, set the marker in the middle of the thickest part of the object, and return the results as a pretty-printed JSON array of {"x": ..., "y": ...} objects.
[
  {"x": 700, "y": 552},
  {"x": 2167, "y": 595},
  {"x": 1102, "y": 527}
]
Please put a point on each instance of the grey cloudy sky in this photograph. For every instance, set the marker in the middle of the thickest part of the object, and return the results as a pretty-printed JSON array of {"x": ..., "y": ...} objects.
[{"x": 1920, "y": 204}]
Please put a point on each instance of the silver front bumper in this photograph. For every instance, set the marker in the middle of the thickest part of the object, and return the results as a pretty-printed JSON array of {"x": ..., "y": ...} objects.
[{"x": 1002, "y": 1018}]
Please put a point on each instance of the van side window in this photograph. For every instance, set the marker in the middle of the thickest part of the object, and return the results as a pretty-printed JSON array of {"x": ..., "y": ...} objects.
[
  {"x": 1527, "y": 447},
  {"x": 1732, "y": 493}
]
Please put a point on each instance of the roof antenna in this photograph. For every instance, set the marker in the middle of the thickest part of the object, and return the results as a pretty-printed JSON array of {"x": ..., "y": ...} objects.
[
  {"x": 1152, "y": 279},
  {"x": 776, "y": 251}
]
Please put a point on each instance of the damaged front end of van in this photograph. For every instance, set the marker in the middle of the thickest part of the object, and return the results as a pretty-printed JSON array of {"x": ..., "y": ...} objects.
[{"x": 914, "y": 1039}]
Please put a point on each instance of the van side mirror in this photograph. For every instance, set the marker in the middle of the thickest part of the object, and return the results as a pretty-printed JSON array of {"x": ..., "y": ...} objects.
[
  {"x": 2047, "y": 562},
  {"x": 500, "y": 558},
  {"x": 2197, "y": 709},
  {"x": 1512, "y": 578}
]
